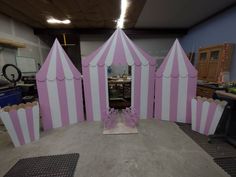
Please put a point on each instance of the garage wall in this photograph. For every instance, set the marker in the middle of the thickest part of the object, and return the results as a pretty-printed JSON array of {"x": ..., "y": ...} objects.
[
  {"x": 218, "y": 30},
  {"x": 19, "y": 32}
]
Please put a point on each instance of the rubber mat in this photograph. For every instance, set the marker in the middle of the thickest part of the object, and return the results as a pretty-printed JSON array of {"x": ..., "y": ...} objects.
[
  {"x": 228, "y": 164},
  {"x": 45, "y": 166},
  {"x": 217, "y": 149}
]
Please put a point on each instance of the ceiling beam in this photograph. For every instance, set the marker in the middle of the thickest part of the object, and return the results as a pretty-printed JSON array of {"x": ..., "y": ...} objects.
[{"x": 129, "y": 32}]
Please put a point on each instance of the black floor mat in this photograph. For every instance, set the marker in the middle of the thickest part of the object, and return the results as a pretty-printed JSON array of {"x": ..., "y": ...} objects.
[
  {"x": 45, "y": 166},
  {"x": 228, "y": 164},
  {"x": 223, "y": 153}
]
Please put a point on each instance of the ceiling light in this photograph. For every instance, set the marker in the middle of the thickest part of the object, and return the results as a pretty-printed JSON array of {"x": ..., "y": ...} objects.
[
  {"x": 121, "y": 20},
  {"x": 56, "y": 21}
]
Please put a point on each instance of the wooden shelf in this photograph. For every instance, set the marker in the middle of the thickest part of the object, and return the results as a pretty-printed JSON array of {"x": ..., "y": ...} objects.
[{"x": 11, "y": 43}]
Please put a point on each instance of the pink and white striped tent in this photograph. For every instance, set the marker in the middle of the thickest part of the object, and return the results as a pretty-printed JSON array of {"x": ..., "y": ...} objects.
[
  {"x": 176, "y": 81},
  {"x": 118, "y": 50},
  {"x": 59, "y": 89}
]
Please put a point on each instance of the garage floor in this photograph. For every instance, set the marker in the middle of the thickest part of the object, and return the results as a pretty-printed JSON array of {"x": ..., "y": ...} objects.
[{"x": 160, "y": 149}]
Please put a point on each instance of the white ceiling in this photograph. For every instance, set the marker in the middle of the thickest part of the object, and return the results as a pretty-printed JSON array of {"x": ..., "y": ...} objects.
[{"x": 178, "y": 13}]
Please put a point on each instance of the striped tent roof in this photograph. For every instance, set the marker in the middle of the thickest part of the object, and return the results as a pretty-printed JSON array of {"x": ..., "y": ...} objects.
[
  {"x": 176, "y": 64},
  {"x": 118, "y": 50},
  {"x": 57, "y": 66}
]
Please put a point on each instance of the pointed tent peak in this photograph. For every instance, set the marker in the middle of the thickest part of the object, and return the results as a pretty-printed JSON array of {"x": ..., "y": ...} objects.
[
  {"x": 57, "y": 65},
  {"x": 176, "y": 55},
  {"x": 118, "y": 49}
]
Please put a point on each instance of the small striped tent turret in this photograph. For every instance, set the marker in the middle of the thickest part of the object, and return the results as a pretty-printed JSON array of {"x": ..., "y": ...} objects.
[
  {"x": 176, "y": 81},
  {"x": 60, "y": 90}
]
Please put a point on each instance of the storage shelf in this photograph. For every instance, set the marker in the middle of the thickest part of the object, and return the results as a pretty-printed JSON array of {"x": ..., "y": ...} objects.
[{"x": 11, "y": 43}]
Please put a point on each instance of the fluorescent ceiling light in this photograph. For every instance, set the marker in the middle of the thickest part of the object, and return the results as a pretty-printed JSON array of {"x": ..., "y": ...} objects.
[
  {"x": 121, "y": 20},
  {"x": 56, "y": 21}
]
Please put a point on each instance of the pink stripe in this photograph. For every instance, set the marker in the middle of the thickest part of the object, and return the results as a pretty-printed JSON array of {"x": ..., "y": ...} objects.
[
  {"x": 15, "y": 120},
  {"x": 137, "y": 78},
  {"x": 30, "y": 123},
  {"x": 191, "y": 93},
  {"x": 136, "y": 59},
  {"x": 44, "y": 105},
  {"x": 199, "y": 115},
  {"x": 151, "y": 85},
  {"x": 210, "y": 115},
  {"x": 79, "y": 100},
  {"x": 61, "y": 86},
  {"x": 174, "y": 98},
  {"x": 158, "y": 98},
  {"x": 42, "y": 73},
  {"x": 87, "y": 94},
  {"x": 89, "y": 58},
  {"x": 119, "y": 55},
  {"x": 103, "y": 58},
  {"x": 137, "y": 89}
]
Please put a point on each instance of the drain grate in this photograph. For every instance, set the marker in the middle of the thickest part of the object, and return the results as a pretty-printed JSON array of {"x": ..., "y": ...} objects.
[
  {"x": 45, "y": 166},
  {"x": 228, "y": 164}
]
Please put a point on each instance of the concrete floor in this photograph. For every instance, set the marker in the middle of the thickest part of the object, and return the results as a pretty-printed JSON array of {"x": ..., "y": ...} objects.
[{"x": 160, "y": 149}]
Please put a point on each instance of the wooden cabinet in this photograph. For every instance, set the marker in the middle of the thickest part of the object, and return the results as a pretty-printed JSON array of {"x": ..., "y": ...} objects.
[
  {"x": 205, "y": 92},
  {"x": 214, "y": 60}
]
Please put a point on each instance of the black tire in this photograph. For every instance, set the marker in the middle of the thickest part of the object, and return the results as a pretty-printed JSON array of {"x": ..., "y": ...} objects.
[{"x": 5, "y": 74}]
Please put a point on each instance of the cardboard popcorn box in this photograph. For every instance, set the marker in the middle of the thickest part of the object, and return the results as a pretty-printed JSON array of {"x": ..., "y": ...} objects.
[
  {"x": 206, "y": 114},
  {"x": 21, "y": 122}
]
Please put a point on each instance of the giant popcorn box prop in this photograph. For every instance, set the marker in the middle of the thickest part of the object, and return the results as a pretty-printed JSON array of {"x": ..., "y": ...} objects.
[
  {"x": 176, "y": 82},
  {"x": 206, "y": 114},
  {"x": 118, "y": 50},
  {"x": 21, "y": 122},
  {"x": 60, "y": 90}
]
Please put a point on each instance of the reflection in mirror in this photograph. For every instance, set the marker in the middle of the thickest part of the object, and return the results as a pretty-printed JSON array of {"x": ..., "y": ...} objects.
[{"x": 119, "y": 86}]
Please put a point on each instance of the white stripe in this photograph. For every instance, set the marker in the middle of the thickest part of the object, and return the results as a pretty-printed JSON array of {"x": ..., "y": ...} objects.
[
  {"x": 111, "y": 52},
  {"x": 70, "y": 90},
  {"x": 95, "y": 92},
  {"x": 143, "y": 60},
  {"x": 144, "y": 81},
  {"x": 166, "y": 84},
  {"x": 182, "y": 88},
  {"x": 99, "y": 54},
  {"x": 182, "y": 66},
  {"x": 144, "y": 91},
  {"x": 23, "y": 124},
  {"x": 10, "y": 128},
  {"x": 169, "y": 64},
  {"x": 35, "y": 111},
  {"x": 66, "y": 68},
  {"x": 71, "y": 101},
  {"x": 165, "y": 109},
  {"x": 106, "y": 86},
  {"x": 128, "y": 56},
  {"x": 182, "y": 99},
  {"x": 53, "y": 98},
  {"x": 194, "y": 113},
  {"x": 205, "y": 109},
  {"x": 132, "y": 85},
  {"x": 51, "y": 73},
  {"x": 216, "y": 118}
]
